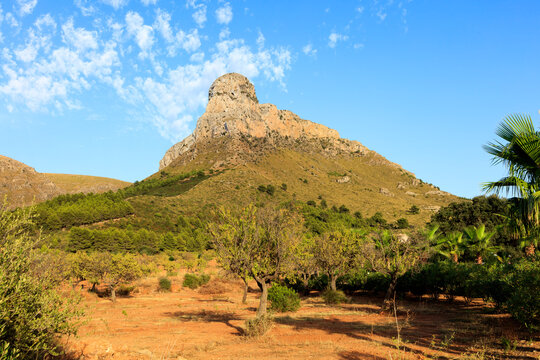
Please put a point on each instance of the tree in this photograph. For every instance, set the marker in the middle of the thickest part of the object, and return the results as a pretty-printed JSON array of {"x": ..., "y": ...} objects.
[
  {"x": 32, "y": 312},
  {"x": 337, "y": 252},
  {"x": 394, "y": 256},
  {"x": 451, "y": 246},
  {"x": 480, "y": 242},
  {"x": 259, "y": 243},
  {"x": 414, "y": 210},
  {"x": 120, "y": 269},
  {"x": 519, "y": 152}
]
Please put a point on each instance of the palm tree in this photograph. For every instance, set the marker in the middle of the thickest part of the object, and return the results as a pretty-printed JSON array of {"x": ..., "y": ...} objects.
[
  {"x": 520, "y": 154},
  {"x": 451, "y": 246},
  {"x": 480, "y": 242}
]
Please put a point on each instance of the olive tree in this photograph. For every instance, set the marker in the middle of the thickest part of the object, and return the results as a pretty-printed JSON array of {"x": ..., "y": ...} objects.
[{"x": 258, "y": 243}]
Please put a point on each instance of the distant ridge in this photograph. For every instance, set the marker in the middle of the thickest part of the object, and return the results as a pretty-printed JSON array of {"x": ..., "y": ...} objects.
[{"x": 22, "y": 185}]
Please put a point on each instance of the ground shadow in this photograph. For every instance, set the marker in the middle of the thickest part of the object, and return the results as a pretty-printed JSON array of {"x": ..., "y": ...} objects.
[{"x": 224, "y": 317}]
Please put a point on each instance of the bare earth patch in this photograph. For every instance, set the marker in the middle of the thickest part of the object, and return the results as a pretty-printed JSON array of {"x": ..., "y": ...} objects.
[{"x": 193, "y": 324}]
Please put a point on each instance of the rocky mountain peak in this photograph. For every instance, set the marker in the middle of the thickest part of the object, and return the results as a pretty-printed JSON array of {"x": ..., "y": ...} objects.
[{"x": 234, "y": 110}]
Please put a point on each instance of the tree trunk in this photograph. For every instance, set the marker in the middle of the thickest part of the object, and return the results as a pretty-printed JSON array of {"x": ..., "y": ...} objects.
[
  {"x": 305, "y": 283},
  {"x": 455, "y": 258},
  {"x": 244, "y": 297},
  {"x": 530, "y": 250},
  {"x": 113, "y": 294},
  {"x": 479, "y": 260},
  {"x": 261, "y": 311},
  {"x": 388, "y": 299},
  {"x": 93, "y": 289},
  {"x": 333, "y": 279}
]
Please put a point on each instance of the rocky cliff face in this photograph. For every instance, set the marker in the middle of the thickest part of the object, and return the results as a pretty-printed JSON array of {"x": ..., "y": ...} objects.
[
  {"x": 22, "y": 185},
  {"x": 234, "y": 110}
]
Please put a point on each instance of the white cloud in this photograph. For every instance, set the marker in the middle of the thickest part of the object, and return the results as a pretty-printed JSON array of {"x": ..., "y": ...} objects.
[
  {"x": 224, "y": 33},
  {"x": 381, "y": 14},
  {"x": 149, "y": 2},
  {"x": 260, "y": 40},
  {"x": 79, "y": 38},
  {"x": 162, "y": 25},
  {"x": 26, "y": 6},
  {"x": 224, "y": 14},
  {"x": 10, "y": 19},
  {"x": 309, "y": 50},
  {"x": 199, "y": 16},
  {"x": 360, "y": 9},
  {"x": 184, "y": 90},
  {"x": 45, "y": 21},
  {"x": 358, "y": 46},
  {"x": 116, "y": 4},
  {"x": 334, "y": 38},
  {"x": 144, "y": 34},
  {"x": 86, "y": 9}
]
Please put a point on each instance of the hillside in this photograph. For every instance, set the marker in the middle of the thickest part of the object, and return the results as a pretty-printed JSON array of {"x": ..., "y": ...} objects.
[
  {"x": 256, "y": 144},
  {"x": 22, "y": 185},
  {"x": 243, "y": 152},
  {"x": 72, "y": 184}
]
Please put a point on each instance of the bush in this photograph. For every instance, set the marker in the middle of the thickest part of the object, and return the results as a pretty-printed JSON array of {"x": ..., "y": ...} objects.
[
  {"x": 193, "y": 281},
  {"x": 164, "y": 284},
  {"x": 125, "y": 290},
  {"x": 283, "y": 298},
  {"x": 332, "y": 297},
  {"x": 402, "y": 223},
  {"x": 524, "y": 302},
  {"x": 259, "y": 326},
  {"x": 32, "y": 313}
]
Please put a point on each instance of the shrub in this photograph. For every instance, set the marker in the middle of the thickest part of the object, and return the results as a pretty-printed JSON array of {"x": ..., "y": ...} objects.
[
  {"x": 284, "y": 187},
  {"x": 283, "y": 298},
  {"x": 524, "y": 302},
  {"x": 402, "y": 223},
  {"x": 334, "y": 297},
  {"x": 414, "y": 210},
  {"x": 32, "y": 312},
  {"x": 193, "y": 281},
  {"x": 262, "y": 188},
  {"x": 311, "y": 203},
  {"x": 164, "y": 284},
  {"x": 125, "y": 290},
  {"x": 270, "y": 189},
  {"x": 259, "y": 326}
]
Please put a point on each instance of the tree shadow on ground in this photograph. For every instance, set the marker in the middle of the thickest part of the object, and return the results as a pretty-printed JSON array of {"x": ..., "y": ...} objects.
[
  {"x": 444, "y": 329},
  {"x": 357, "y": 355},
  {"x": 224, "y": 317}
]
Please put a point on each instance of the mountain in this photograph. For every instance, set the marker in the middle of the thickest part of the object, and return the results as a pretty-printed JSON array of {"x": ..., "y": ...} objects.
[
  {"x": 246, "y": 145},
  {"x": 22, "y": 185}
]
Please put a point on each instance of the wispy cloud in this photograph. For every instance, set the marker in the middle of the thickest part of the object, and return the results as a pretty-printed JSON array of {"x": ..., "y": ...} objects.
[
  {"x": 309, "y": 50},
  {"x": 334, "y": 38}
]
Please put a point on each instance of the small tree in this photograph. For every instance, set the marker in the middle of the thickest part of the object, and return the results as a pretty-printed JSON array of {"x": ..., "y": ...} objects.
[
  {"x": 121, "y": 269},
  {"x": 414, "y": 210},
  {"x": 481, "y": 242},
  {"x": 393, "y": 256},
  {"x": 32, "y": 312},
  {"x": 338, "y": 252},
  {"x": 258, "y": 243}
]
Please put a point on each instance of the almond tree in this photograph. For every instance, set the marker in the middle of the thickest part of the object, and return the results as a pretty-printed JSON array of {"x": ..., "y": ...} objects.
[
  {"x": 338, "y": 252},
  {"x": 394, "y": 256},
  {"x": 120, "y": 269},
  {"x": 258, "y": 243}
]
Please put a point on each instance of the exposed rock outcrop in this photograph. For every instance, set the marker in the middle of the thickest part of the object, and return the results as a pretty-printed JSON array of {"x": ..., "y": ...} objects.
[
  {"x": 21, "y": 185},
  {"x": 234, "y": 110}
]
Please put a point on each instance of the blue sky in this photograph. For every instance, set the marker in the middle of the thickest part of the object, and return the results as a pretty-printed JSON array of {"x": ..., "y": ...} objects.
[{"x": 106, "y": 87}]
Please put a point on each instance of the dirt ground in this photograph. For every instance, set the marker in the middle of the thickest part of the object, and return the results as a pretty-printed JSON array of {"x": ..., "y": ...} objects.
[{"x": 209, "y": 323}]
